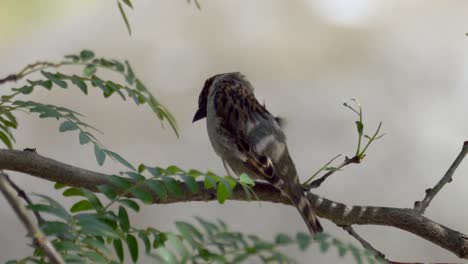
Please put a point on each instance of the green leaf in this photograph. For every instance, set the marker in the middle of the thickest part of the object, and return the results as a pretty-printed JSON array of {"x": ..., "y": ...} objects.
[
  {"x": 303, "y": 240},
  {"x": 245, "y": 179},
  {"x": 121, "y": 160},
  {"x": 172, "y": 186},
  {"x": 66, "y": 245},
  {"x": 340, "y": 246},
  {"x": 191, "y": 183},
  {"x": 210, "y": 181},
  {"x": 7, "y": 124},
  {"x": 91, "y": 225},
  {"x": 360, "y": 127},
  {"x": 143, "y": 195},
  {"x": 84, "y": 138},
  {"x": 136, "y": 176},
  {"x": 194, "y": 173},
  {"x": 173, "y": 169},
  {"x": 55, "y": 78},
  {"x": 163, "y": 112},
  {"x": 92, "y": 198},
  {"x": 118, "y": 249},
  {"x": 80, "y": 83},
  {"x": 283, "y": 239},
  {"x": 83, "y": 205},
  {"x": 108, "y": 191},
  {"x": 94, "y": 257},
  {"x": 144, "y": 237},
  {"x": 141, "y": 168},
  {"x": 59, "y": 210},
  {"x": 132, "y": 247},
  {"x": 67, "y": 126},
  {"x": 100, "y": 155},
  {"x": 120, "y": 182},
  {"x": 96, "y": 244},
  {"x": 55, "y": 228},
  {"x": 27, "y": 89},
  {"x": 189, "y": 232},
  {"x": 167, "y": 256},
  {"x": 119, "y": 66},
  {"x": 159, "y": 239},
  {"x": 86, "y": 55},
  {"x": 210, "y": 228},
  {"x": 178, "y": 245},
  {"x": 224, "y": 190},
  {"x": 157, "y": 186},
  {"x": 140, "y": 86},
  {"x": 73, "y": 259},
  {"x": 46, "y": 84},
  {"x": 73, "y": 191},
  {"x": 124, "y": 16},
  {"x": 130, "y": 204},
  {"x": 356, "y": 254},
  {"x": 6, "y": 140},
  {"x": 324, "y": 246},
  {"x": 12, "y": 119},
  {"x": 59, "y": 185},
  {"x": 128, "y": 3},
  {"x": 123, "y": 219},
  {"x": 89, "y": 70},
  {"x": 156, "y": 171},
  {"x": 130, "y": 76}
]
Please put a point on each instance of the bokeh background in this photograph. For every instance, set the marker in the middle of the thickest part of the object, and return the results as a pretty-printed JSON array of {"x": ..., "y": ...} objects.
[{"x": 405, "y": 61}]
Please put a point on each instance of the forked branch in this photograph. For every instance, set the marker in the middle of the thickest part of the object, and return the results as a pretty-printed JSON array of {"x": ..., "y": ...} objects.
[{"x": 405, "y": 219}]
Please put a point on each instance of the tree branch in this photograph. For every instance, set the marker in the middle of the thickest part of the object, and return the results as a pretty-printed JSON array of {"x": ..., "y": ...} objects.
[
  {"x": 363, "y": 242},
  {"x": 9, "y": 78},
  {"x": 447, "y": 178},
  {"x": 39, "y": 238},
  {"x": 25, "y": 197},
  {"x": 405, "y": 219},
  {"x": 319, "y": 181}
]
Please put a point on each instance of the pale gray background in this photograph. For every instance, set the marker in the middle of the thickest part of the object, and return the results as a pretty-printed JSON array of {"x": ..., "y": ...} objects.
[{"x": 404, "y": 60}]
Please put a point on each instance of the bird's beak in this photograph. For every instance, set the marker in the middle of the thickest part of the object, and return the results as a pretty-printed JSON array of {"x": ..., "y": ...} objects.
[{"x": 200, "y": 114}]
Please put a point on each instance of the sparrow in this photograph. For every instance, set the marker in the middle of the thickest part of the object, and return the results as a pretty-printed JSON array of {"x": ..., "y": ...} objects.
[{"x": 250, "y": 140}]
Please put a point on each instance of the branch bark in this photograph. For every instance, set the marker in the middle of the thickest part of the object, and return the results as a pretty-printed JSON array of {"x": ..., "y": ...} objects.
[
  {"x": 341, "y": 214},
  {"x": 447, "y": 178},
  {"x": 39, "y": 238}
]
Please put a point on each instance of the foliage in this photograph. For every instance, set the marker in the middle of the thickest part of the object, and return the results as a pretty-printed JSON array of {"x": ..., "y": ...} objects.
[
  {"x": 71, "y": 120},
  {"x": 99, "y": 229},
  {"x": 94, "y": 231},
  {"x": 128, "y": 3}
]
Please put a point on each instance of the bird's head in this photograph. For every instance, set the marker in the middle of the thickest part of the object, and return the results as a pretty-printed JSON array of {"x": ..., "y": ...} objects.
[
  {"x": 212, "y": 83},
  {"x": 203, "y": 99}
]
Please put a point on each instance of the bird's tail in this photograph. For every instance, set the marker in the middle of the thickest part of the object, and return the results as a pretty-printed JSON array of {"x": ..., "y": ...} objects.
[{"x": 302, "y": 204}]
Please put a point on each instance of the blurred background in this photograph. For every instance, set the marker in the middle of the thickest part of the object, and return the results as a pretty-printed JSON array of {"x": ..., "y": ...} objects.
[{"x": 405, "y": 61}]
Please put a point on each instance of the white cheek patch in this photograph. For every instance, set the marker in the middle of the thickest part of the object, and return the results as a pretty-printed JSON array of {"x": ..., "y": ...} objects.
[{"x": 278, "y": 152}]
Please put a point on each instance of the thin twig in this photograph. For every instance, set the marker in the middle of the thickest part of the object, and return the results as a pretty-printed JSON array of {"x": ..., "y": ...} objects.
[
  {"x": 421, "y": 206},
  {"x": 39, "y": 238},
  {"x": 9, "y": 78},
  {"x": 25, "y": 197},
  {"x": 321, "y": 169},
  {"x": 364, "y": 243},
  {"x": 319, "y": 181}
]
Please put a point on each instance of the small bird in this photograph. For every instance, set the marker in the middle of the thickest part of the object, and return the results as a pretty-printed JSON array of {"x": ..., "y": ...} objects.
[{"x": 249, "y": 139}]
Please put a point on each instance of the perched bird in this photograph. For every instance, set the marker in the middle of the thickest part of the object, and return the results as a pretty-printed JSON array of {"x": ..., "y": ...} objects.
[{"x": 249, "y": 139}]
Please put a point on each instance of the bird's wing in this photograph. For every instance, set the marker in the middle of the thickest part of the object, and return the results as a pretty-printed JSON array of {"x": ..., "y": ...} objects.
[
  {"x": 253, "y": 131},
  {"x": 258, "y": 137}
]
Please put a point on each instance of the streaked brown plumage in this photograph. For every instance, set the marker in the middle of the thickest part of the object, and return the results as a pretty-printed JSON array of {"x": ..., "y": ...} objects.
[{"x": 246, "y": 136}]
